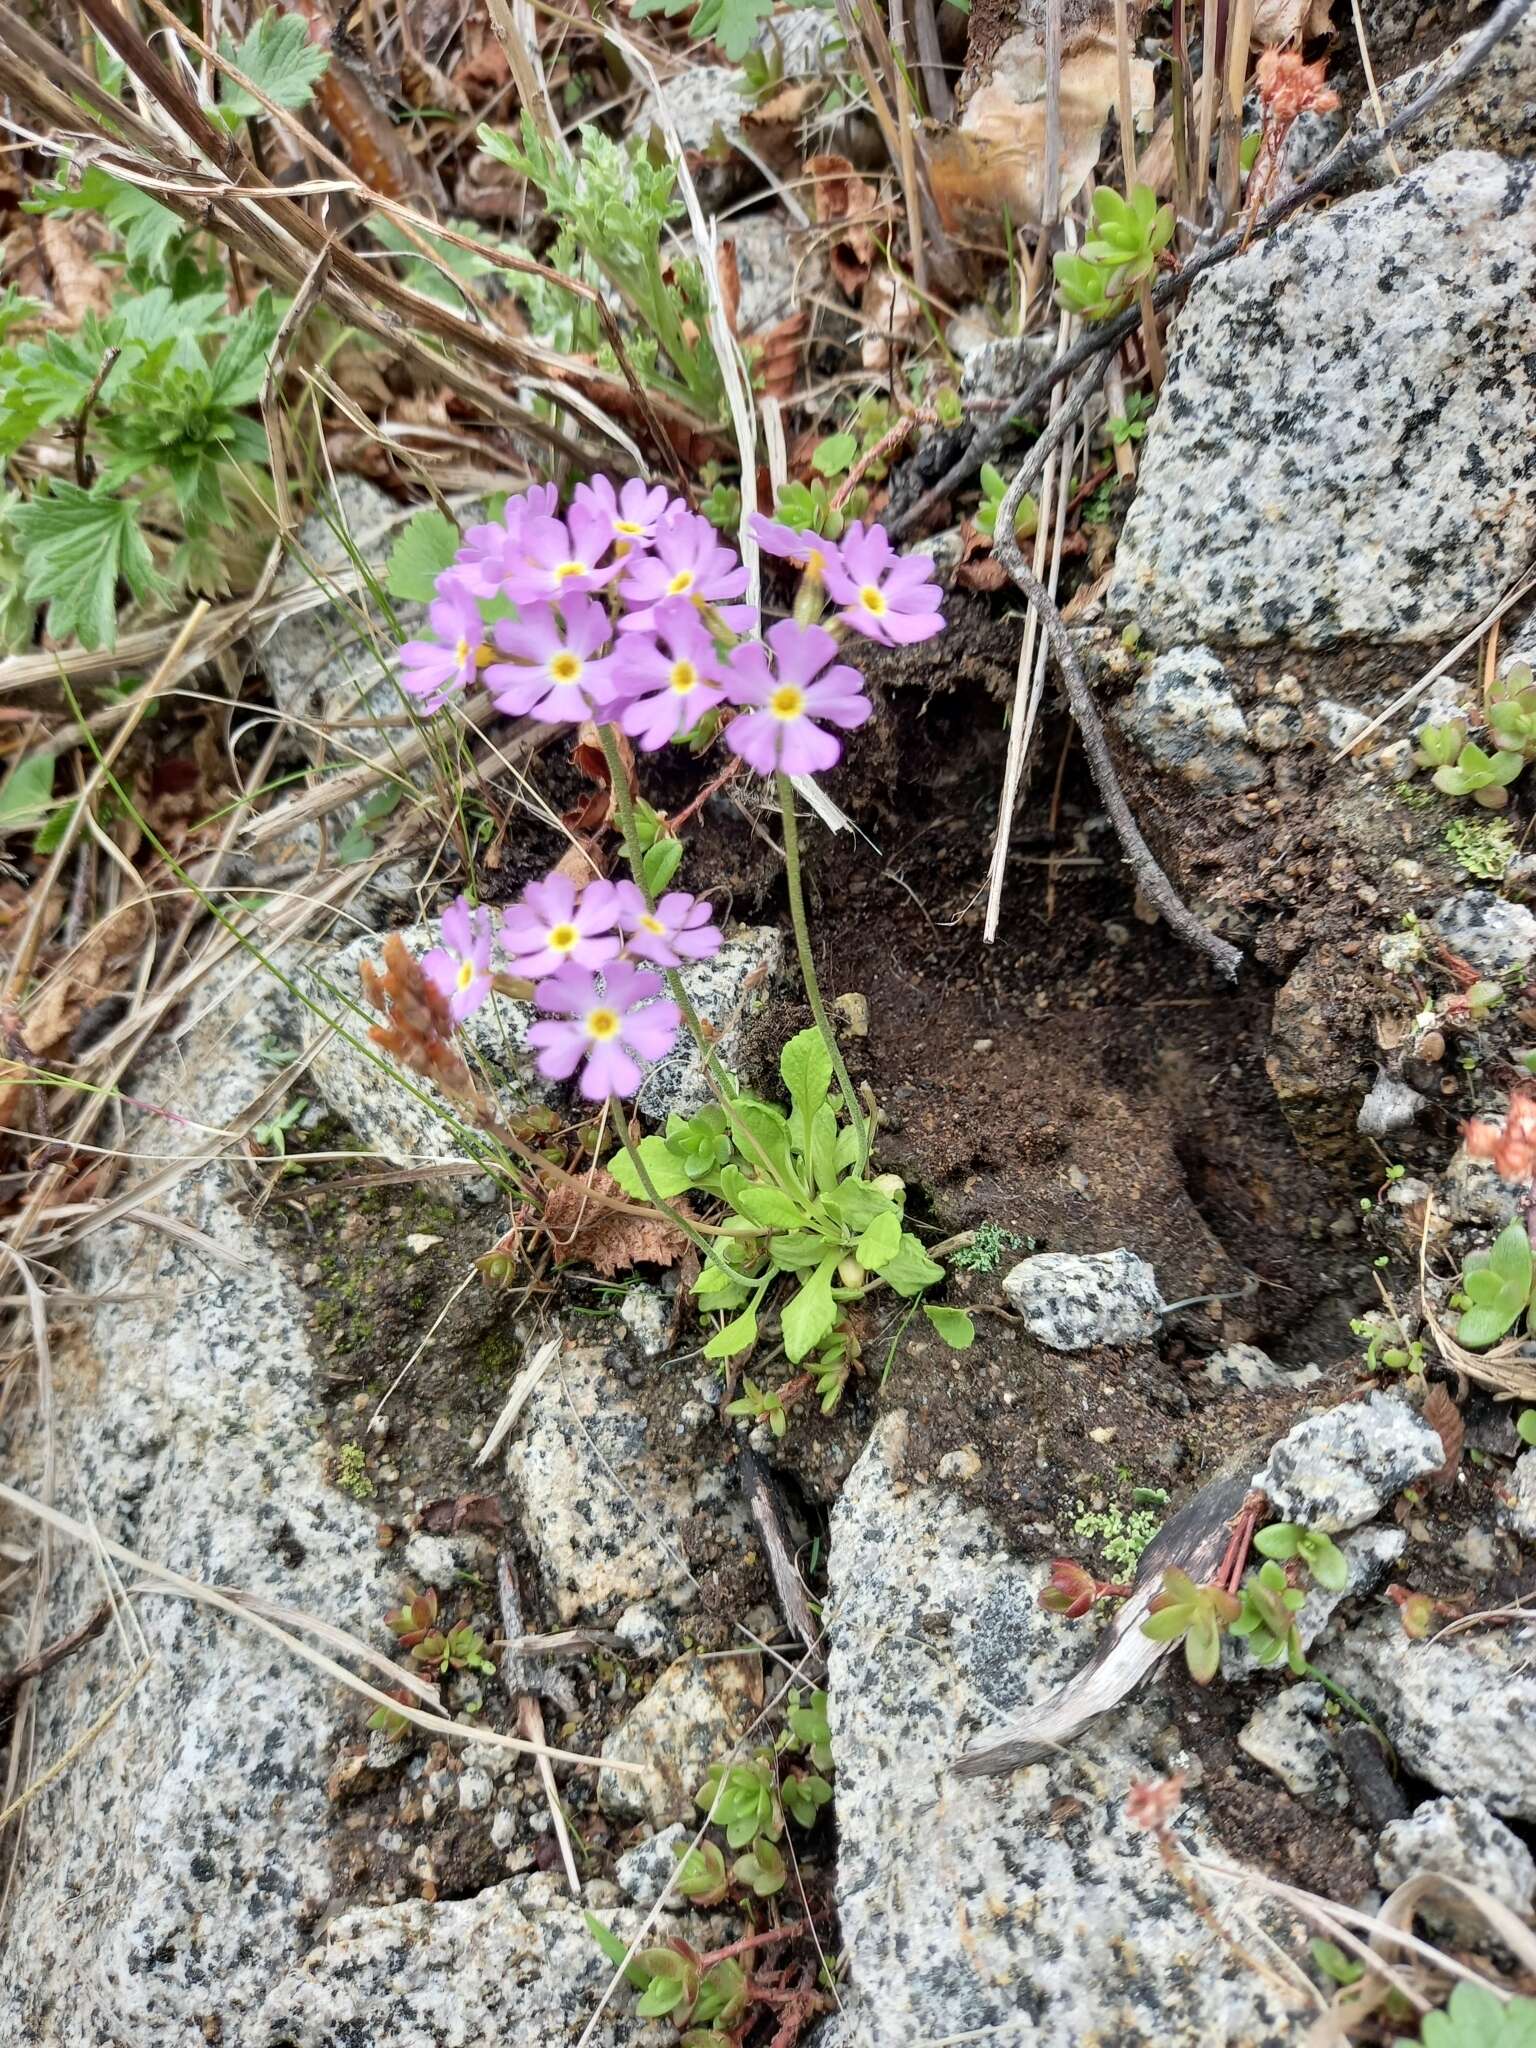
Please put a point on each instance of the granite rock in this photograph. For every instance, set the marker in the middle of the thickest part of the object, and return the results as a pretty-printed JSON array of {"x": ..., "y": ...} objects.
[
  {"x": 1073, "y": 1302},
  {"x": 1022, "y": 1909},
  {"x": 1458, "y": 1838},
  {"x": 1285, "y": 1735},
  {"x": 1315, "y": 498},
  {"x": 1391, "y": 1106},
  {"x": 1520, "y": 1509},
  {"x": 1493, "y": 109},
  {"x": 361, "y": 1084},
  {"x": 998, "y": 369},
  {"x": 1488, "y": 931},
  {"x": 692, "y": 1717},
  {"x": 644, "y": 1873},
  {"x": 1245, "y": 1365},
  {"x": 514, "y": 1963},
  {"x": 604, "y": 1504},
  {"x": 1341, "y": 1468},
  {"x": 1473, "y": 1191},
  {"x": 179, "y": 1861},
  {"x": 1460, "y": 1711},
  {"x": 1185, "y": 719}
]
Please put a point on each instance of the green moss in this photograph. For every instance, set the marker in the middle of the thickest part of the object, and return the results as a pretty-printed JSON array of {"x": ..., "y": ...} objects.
[
  {"x": 352, "y": 1472},
  {"x": 1119, "y": 1537},
  {"x": 1484, "y": 847}
]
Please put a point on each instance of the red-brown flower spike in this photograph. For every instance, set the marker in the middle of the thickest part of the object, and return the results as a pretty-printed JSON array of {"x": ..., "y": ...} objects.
[
  {"x": 1513, "y": 1149},
  {"x": 1153, "y": 1806}
]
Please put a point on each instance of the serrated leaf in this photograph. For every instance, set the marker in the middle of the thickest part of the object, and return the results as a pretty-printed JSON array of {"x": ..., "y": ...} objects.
[
  {"x": 278, "y": 57},
  {"x": 426, "y": 545},
  {"x": 809, "y": 1314},
  {"x": 667, "y": 1173},
  {"x": 75, "y": 544},
  {"x": 953, "y": 1325}
]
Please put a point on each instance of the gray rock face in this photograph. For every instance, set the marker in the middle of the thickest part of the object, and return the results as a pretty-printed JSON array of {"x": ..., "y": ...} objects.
[
  {"x": 1495, "y": 109},
  {"x": 515, "y": 1963},
  {"x": 1521, "y": 1510},
  {"x": 1461, "y": 1712},
  {"x": 1245, "y": 1365},
  {"x": 364, "y": 1087},
  {"x": 1337, "y": 1470},
  {"x": 171, "y": 1867},
  {"x": 1184, "y": 718},
  {"x": 1320, "y": 496},
  {"x": 1458, "y": 1838},
  {"x": 602, "y": 1506},
  {"x": 1285, "y": 1736},
  {"x": 999, "y": 369},
  {"x": 1074, "y": 1302},
  {"x": 978, "y": 1906},
  {"x": 1390, "y": 1106},
  {"x": 644, "y": 1872},
  {"x": 1473, "y": 1191},
  {"x": 691, "y": 1717},
  {"x": 1489, "y": 932}
]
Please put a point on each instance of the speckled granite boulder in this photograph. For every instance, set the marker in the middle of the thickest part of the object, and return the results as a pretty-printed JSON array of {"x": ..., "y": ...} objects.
[
  {"x": 513, "y": 1964},
  {"x": 1245, "y": 1365},
  {"x": 361, "y": 1084},
  {"x": 179, "y": 1861},
  {"x": 691, "y": 1717},
  {"x": 604, "y": 1503},
  {"x": 1073, "y": 1302},
  {"x": 1185, "y": 719},
  {"x": 644, "y": 1873},
  {"x": 1337, "y": 1470},
  {"x": 1286, "y": 1737},
  {"x": 1025, "y": 1909},
  {"x": 1346, "y": 444},
  {"x": 1461, "y": 1712},
  {"x": 1494, "y": 109},
  {"x": 1520, "y": 1510},
  {"x": 1458, "y": 1838},
  {"x": 1488, "y": 931}
]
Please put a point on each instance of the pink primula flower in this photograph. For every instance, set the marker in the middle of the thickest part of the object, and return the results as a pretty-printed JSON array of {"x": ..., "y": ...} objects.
[
  {"x": 605, "y": 1025},
  {"x": 630, "y": 514},
  {"x": 687, "y": 559},
  {"x": 548, "y": 928},
  {"x": 559, "y": 669},
  {"x": 808, "y": 552},
  {"x": 666, "y": 677},
  {"x": 885, "y": 596},
  {"x": 556, "y": 558},
  {"x": 779, "y": 732},
  {"x": 680, "y": 928},
  {"x": 460, "y": 968},
  {"x": 487, "y": 551},
  {"x": 434, "y": 669}
]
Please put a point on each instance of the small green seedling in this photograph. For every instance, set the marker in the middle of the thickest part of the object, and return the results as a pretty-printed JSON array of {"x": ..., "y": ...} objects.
[
  {"x": 1333, "y": 1962},
  {"x": 1483, "y": 777},
  {"x": 1194, "y": 1615},
  {"x": 1268, "y": 1617},
  {"x": 761, "y": 1403},
  {"x": 1525, "y": 1427},
  {"x": 1132, "y": 423},
  {"x": 994, "y": 488},
  {"x": 1319, "y": 1553},
  {"x": 1131, "y": 235},
  {"x": 1512, "y": 712},
  {"x": 1497, "y": 1286},
  {"x": 1478, "y": 2018},
  {"x": 1440, "y": 745},
  {"x": 743, "y": 1799}
]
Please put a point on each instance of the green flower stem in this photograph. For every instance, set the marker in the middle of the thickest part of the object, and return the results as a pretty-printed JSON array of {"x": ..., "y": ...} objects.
[
  {"x": 706, "y": 1246},
  {"x": 808, "y": 966}
]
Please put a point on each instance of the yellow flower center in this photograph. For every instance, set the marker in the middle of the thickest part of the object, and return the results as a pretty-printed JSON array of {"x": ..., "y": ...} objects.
[
  {"x": 815, "y": 562},
  {"x": 484, "y": 656},
  {"x": 787, "y": 701},
  {"x": 629, "y": 526},
  {"x": 685, "y": 677},
  {"x": 568, "y": 569},
  {"x": 466, "y": 973},
  {"x": 565, "y": 668},
  {"x": 681, "y": 582},
  {"x": 461, "y": 652},
  {"x": 872, "y": 600},
  {"x": 563, "y": 937},
  {"x": 653, "y": 925},
  {"x": 602, "y": 1024}
]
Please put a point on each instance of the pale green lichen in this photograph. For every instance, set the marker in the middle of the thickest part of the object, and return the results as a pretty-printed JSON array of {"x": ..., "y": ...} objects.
[
  {"x": 352, "y": 1472},
  {"x": 1484, "y": 847},
  {"x": 1119, "y": 1536}
]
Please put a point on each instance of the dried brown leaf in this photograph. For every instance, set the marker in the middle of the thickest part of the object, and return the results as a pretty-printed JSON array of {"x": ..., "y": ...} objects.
[
  {"x": 80, "y": 285},
  {"x": 1290, "y": 21},
  {"x": 463, "y": 1511},
  {"x": 1444, "y": 1418},
  {"x": 775, "y": 355},
  {"x": 844, "y": 200},
  {"x": 593, "y": 1225}
]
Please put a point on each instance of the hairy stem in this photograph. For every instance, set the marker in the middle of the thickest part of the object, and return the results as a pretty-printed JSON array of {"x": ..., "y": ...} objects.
[{"x": 808, "y": 965}]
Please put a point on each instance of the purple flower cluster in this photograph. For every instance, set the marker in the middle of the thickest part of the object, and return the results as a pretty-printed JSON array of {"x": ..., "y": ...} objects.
[
  {"x": 603, "y": 1012},
  {"x": 629, "y": 612}
]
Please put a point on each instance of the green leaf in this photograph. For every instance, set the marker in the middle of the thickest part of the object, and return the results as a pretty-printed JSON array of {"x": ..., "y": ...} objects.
[
  {"x": 768, "y": 1130},
  {"x": 880, "y": 1242},
  {"x": 661, "y": 863},
  {"x": 834, "y": 455},
  {"x": 616, "y": 1950},
  {"x": 797, "y": 1252},
  {"x": 76, "y": 544},
  {"x": 809, "y": 1314},
  {"x": 761, "y": 1204},
  {"x": 1281, "y": 1539},
  {"x": 149, "y": 230},
  {"x": 26, "y": 792},
  {"x": 953, "y": 1325},
  {"x": 1499, "y": 1288},
  {"x": 732, "y": 23},
  {"x": 805, "y": 1067},
  {"x": 425, "y": 548},
  {"x": 668, "y": 1174},
  {"x": 737, "y": 1336},
  {"x": 278, "y": 57},
  {"x": 911, "y": 1271}
]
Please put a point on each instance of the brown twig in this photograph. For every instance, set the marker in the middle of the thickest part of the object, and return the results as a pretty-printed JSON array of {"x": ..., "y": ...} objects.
[
  {"x": 83, "y": 416},
  {"x": 765, "y": 1938},
  {"x": 12, "y": 1681},
  {"x": 1349, "y": 158}
]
